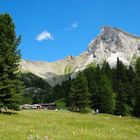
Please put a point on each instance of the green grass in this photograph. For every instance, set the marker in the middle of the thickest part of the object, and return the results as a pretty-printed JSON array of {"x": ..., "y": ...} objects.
[
  {"x": 92, "y": 65},
  {"x": 68, "y": 70},
  {"x": 61, "y": 103},
  {"x": 64, "y": 125}
]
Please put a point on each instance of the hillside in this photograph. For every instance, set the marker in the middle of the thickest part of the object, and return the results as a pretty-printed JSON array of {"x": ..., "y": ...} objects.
[{"x": 56, "y": 72}]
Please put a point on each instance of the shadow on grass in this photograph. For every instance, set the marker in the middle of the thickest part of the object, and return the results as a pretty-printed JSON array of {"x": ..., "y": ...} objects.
[{"x": 8, "y": 112}]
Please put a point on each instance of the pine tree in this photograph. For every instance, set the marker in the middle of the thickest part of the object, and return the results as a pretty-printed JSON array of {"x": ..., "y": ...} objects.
[
  {"x": 98, "y": 74},
  {"x": 93, "y": 94},
  {"x": 136, "y": 87},
  {"x": 106, "y": 70},
  {"x": 120, "y": 88},
  {"x": 121, "y": 69},
  {"x": 114, "y": 80},
  {"x": 10, "y": 85},
  {"x": 137, "y": 67},
  {"x": 128, "y": 90},
  {"x": 67, "y": 91},
  {"x": 79, "y": 95},
  {"x": 90, "y": 74},
  {"x": 105, "y": 99},
  {"x": 121, "y": 107},
  {"x": 130, "y": 74}
]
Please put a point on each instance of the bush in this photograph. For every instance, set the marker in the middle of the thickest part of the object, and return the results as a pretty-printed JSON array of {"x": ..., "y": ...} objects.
[
  {"x": 86, "y": 110},
  {"x": 74, "y": 108},
  {"x": 83, "y": 110}
]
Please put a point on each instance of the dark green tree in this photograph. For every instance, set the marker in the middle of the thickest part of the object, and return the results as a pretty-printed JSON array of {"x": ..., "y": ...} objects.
[
  {"x": 121, "y": 69},
  {"x": 137, "y": 67},
  {"x": 79, "y": 95},
  {"x": 105, "y": 99},
  {"x": 120, "y": 84},
  {"x": 128, "y": 86},
  {"x": 136, "y": 87},
  {"x": 98, "y": 74},
  {"x": 130, "y": 74},
  {"x": 90, "y": 74},
  {"x": 128, "y": 90},
  {"x": 106, "y": 70},
  {"x": 67, "y": 86},
  {"x": 10, "y": 85},
  {"x": 121, "y": 107},
  {"x": 114, "y": 80}
]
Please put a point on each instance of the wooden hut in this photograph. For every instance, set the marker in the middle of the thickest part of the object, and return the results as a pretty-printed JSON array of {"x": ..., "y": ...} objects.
[{"x": 49, "y": 106}]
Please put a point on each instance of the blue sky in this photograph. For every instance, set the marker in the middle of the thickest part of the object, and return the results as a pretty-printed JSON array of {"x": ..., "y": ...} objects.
[{"x": 54, "y": 29}]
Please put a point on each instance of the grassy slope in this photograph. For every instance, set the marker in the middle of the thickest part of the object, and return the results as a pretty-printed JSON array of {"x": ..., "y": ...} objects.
[
  {"x": 63, "y": 125},
  {"x": 61, "y": 104}
]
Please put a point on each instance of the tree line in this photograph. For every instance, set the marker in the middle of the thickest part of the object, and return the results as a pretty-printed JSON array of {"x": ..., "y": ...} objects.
[{"x": 110, "y": 90}]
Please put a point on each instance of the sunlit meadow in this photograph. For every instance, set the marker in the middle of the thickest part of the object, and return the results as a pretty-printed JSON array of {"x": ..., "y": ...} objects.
[{"x": 64, "y": 125}]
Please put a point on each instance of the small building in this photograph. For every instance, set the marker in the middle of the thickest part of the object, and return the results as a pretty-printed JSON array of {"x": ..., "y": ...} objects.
[
  {"x": 49, "y": 106},
  {"x": 26, "y": 106},
  {"x": 36, "y": 106}
]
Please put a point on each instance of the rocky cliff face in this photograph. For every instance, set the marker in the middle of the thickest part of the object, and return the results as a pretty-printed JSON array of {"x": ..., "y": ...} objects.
[
  {"x": 113, "y": 43},
  {"x": 110, "y": 44}
]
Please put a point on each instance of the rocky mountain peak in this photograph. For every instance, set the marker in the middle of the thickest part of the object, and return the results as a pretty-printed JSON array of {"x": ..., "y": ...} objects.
[
  {"x": 113, "y": 42},
  {"x": 108, "y": 32}
]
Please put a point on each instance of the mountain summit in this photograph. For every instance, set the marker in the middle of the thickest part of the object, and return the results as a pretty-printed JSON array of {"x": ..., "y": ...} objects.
[
  {"x": 113, "y": 43},
  {"x": 110, "y": 44}
]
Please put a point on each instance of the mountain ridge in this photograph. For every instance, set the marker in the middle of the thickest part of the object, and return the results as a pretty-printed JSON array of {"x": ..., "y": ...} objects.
[{"x": 110, "y": 44}]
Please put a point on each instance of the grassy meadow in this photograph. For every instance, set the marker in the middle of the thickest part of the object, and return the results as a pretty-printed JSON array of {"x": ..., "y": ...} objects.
[{"x": 64, "y": 125}]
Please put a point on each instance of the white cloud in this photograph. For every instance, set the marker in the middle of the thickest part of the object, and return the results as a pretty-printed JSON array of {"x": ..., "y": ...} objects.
[
  {"x": 72, "y": 26},
  {"x": 44, "y": 36}
]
